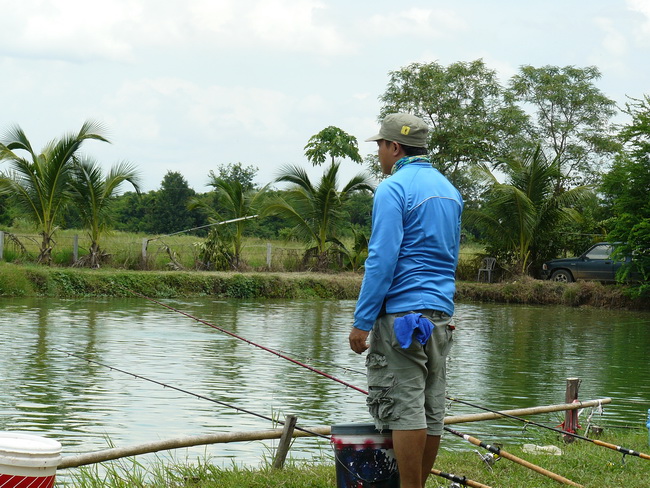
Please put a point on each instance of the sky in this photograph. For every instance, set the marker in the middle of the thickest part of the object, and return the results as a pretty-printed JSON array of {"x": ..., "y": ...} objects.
[{"x": 188, "y": 86}]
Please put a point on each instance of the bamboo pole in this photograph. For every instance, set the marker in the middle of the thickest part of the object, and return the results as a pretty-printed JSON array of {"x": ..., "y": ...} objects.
[
  {"x": 458, "y": 419},
  {"x": 180, "y": 442},
  {"x": 199, "y": 440}
]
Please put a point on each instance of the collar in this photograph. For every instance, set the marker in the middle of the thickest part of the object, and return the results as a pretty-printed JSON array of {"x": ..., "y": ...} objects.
[{"x": 400, "y": 163}]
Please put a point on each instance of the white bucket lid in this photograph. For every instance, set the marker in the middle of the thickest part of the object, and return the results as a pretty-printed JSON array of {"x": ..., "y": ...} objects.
[{"x": 17, "y": 449}]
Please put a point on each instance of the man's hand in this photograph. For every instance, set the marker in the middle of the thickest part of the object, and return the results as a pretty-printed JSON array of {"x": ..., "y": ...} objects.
[{"x": 358, "y": 340}]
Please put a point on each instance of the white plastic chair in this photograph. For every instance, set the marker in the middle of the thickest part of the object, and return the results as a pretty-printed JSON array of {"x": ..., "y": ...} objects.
[{"x": 487, "y": 267}]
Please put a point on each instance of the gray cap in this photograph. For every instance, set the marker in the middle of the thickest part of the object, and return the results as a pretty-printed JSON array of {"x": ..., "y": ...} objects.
[{"x": 405, "y": 129}]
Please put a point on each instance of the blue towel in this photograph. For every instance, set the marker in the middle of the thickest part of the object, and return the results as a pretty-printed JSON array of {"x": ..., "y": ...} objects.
[{"x": 412, "y": 324}]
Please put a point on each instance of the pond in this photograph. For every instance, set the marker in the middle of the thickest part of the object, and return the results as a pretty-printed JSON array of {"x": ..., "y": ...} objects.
[{"x": 504, "y": 357}]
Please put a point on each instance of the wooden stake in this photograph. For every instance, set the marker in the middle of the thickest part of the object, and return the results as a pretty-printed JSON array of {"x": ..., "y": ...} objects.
[
  {"x": 571, "y": 416},
  {"x": 285, "y": 441}
]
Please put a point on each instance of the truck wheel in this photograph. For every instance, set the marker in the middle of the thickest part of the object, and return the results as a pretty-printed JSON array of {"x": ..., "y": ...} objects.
[{"x": 562, "y": 275}]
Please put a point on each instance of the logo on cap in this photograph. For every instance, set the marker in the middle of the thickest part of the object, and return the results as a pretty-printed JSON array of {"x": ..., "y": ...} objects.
[{"x": 405, "y": 130}]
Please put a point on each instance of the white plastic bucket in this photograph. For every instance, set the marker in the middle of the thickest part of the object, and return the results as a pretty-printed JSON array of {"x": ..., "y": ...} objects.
[
  {"x": 28, "y": 460},
  {"x": 364, "y": 457}
]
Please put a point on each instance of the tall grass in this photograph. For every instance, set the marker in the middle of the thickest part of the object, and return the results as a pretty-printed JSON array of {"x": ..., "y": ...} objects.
[{"x": 146, "y": 252}]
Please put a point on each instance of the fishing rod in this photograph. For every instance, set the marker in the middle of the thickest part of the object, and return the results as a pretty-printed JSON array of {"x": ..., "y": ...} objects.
[
  {"x": 321, "y": 361},
  {"x": 500, "y": 452},
  {"x": 614, "y": 447},
  {"x": 264, "y": 348},
  {"x": 197, "y": 395},
  {"x": 470, "y": 439},
  {"x": 455, "y": 478},
  {"x": 458, "y": 479}
]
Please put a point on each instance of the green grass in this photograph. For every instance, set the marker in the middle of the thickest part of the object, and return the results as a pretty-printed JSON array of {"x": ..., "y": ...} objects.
[
  {"x": 161, "y": 252},
  {"x": 181, "y": 252},
  {"x": 582, "y": 462}
]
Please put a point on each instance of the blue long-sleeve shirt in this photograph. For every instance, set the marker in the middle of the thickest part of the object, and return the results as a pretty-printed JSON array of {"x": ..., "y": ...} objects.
[{"x": 413, "y": 249}]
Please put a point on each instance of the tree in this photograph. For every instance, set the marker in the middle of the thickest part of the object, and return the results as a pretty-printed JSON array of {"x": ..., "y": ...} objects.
[
  {"x": 316, "y": 210},
  {"x": 132, "y": 212},
  {"x": 519, "y": 215},
  {"x": 626, "y": 188},
  {"x": 236, "y": 172},
  {"x": 334, "y": 142},
  {"x": 471, "y": 120},
  {"x": 234, "y": 200},
  {"x": 572, "y": 118},
  {"x": 170, "y": 211},
  {"x": 40, "y": 183},
  {"x": 92, "y": 193}
]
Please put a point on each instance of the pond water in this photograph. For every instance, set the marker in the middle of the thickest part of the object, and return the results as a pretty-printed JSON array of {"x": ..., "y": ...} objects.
[{"x": 503, "y": 357}]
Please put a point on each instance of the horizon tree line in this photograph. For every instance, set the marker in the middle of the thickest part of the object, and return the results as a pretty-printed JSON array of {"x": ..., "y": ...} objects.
[{"x": 531, "y": 159}]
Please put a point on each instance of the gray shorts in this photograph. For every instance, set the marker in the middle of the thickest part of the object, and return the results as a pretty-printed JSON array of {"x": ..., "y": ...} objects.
[{"x": 407, "y": 386}]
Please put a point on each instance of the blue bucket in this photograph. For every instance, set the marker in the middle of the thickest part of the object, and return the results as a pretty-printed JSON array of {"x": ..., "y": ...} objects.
[{"x": 364, "y": 457}]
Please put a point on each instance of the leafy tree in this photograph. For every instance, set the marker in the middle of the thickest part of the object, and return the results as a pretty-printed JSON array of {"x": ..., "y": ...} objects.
[
  {"x": 235, "y": 200},
  {"x": 40, "y": 183},
  {"x": 520, "y": 214},
  {"x": 235, "y": 172},
  {"x": 6, "y": 210},
  {"x": 626, "y": 187},
  {"x": 572, "y": 118},
  {"x": 334, "y": 142},
  {"x": 132, "y": 212},
  {"x": 92, "y": 195},
  {"x": 359, "y": 208},
  {"x": 170, "y": 212},
  {"x": 471, "y": 120},
  {"x": 316, "y": 211}
]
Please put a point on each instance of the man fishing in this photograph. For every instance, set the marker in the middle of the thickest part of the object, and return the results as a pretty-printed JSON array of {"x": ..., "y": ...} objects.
[{"x": 406, "y": 297}]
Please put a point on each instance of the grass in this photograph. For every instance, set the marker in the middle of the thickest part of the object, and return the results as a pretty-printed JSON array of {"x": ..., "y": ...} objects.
[
  {"x": 141, "y": 251},
  {"x": 582, "y": 462}
]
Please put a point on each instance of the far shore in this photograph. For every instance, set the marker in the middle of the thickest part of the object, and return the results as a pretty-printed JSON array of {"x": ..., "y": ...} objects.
[{"x": 41, "y": 281}]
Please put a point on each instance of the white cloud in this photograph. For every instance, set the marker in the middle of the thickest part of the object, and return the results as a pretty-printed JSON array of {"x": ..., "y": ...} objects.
[
  {"x": 66, "y": 29},
  {"x": 417, "y": 23},
  {"x": 614, "y": 42},
  {"x": 642, "y": 7},
  {"x": 84, "y": 30},
  {"x": 295, "y": 26}
]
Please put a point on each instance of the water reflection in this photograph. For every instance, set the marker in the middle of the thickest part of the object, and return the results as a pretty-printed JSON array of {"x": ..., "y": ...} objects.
[{"x": 503, "y": 357}]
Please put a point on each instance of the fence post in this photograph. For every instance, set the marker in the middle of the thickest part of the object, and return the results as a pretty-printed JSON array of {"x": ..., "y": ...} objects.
[
  {"x": 2, "y": 245},
  {"x": 571, "y": 416},
  {"x": 268, "y": 255},
  {"x": 144, "y": 249},
  {"x": 285, "y": 441},
  {"x": 75, "y": 248}
]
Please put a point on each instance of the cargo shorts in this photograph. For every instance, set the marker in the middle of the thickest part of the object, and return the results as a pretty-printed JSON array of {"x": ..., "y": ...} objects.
[{"x": 406, "y": 387}]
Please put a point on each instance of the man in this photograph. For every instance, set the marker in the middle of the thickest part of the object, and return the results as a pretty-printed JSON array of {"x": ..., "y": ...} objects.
[{"x": 406, "y": 297}]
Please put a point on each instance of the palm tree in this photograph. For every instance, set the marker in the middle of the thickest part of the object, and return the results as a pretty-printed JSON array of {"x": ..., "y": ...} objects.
[
  {"x": 40, "y": 183},
  {"x": 520, "y": 213},
  {"x": 235, "y": 201},
  {"x": 92, "y": 195},
  {"x": 316, "y": 211}
]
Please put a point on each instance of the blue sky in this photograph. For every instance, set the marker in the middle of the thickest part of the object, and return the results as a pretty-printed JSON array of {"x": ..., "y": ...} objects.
[{"x": 189, "y": 85}]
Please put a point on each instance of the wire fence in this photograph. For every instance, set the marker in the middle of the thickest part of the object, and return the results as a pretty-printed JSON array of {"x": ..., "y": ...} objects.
[
  {"x": 177, "y": 252},
  {"x": 170, "y": 252}
]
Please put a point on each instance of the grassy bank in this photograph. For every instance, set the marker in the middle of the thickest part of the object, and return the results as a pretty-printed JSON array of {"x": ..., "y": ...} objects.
[
  {"x": 582, "y": 462},
  {"x": 34, "y": 280}
]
